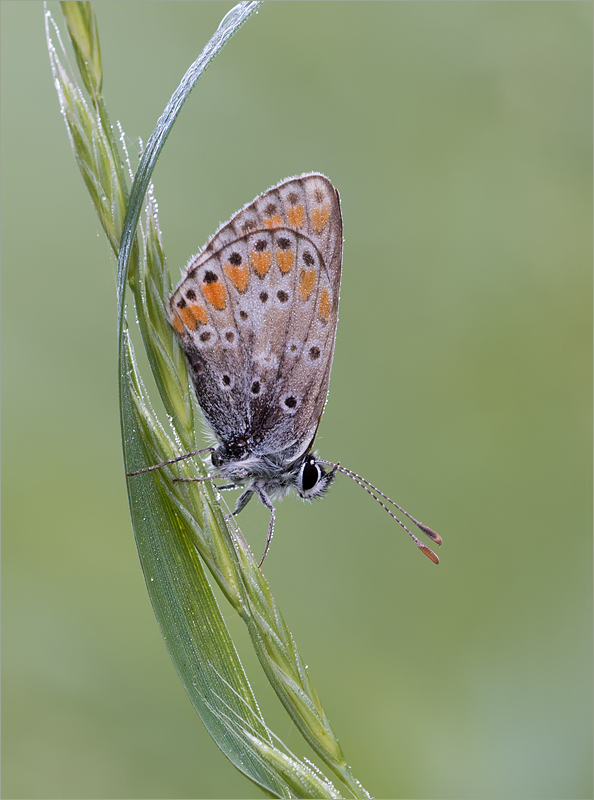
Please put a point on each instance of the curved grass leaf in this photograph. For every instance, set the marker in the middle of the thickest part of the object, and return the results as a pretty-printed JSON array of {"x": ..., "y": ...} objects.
[{"x": 179, "y": 527}]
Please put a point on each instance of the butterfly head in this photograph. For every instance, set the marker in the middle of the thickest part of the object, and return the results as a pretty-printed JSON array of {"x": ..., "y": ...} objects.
[{"x": 311, "y": 479}]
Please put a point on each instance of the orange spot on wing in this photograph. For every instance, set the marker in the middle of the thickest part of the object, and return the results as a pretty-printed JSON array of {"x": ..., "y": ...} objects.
[
  {"x": 296, "y": 216},
  {"x": 239, "y": 276},
  {"x": 319, "y": 218},
  {"x": 216, "y": 294},
  {"x": 191, "y": 316},
  {"x": 199, "y": 312},
  {"x": 284, "y": 260},
  {"x": 307, "y": 281},
  {"x": 274, "y": 222},
  {"x": 260, "y": 261},
  {"x": 325, "y": 305},
  {"x": 188, "y": 318},
  {"x": 177, "y": 324}
]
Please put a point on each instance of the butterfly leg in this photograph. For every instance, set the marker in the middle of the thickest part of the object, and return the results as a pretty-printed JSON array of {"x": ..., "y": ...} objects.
[
  {"x": 171, "y": 461},
  {"x": 195, "y": 480},
  {"x": 265, "y": 500},
  {"x": 242, "y": 501}
]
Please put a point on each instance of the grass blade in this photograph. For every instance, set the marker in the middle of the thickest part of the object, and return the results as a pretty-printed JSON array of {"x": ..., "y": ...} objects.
[{"x": 181, "y": 527}]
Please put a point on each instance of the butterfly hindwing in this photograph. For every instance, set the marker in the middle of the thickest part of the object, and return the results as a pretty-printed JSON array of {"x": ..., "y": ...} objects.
[{"x": 256, "y": 315}]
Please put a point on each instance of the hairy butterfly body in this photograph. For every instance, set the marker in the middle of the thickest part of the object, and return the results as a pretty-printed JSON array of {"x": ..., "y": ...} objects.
[{"x": 256, "y": 314}]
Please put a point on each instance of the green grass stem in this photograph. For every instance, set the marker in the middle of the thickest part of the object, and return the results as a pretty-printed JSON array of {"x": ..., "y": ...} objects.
[{"x": 182, "y": 527}]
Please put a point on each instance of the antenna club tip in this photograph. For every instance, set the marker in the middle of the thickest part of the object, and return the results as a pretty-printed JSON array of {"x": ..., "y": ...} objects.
[
  {"x": 431, "y": 534},
  {"x": 429, "y": 553}
]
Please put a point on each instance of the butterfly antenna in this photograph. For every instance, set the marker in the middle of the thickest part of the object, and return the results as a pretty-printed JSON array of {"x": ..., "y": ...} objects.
[
  {"x": 171, "y": 461},
  {"x": 374, "y": 492}
]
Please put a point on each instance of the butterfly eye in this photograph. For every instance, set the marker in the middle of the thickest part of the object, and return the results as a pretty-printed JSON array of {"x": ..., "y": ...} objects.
[
  {"x": 310, "y": 476},
  {"x": 312, "y": 480}
]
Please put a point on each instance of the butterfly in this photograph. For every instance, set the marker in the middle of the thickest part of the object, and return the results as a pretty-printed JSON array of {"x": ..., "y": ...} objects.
[{"x": 256, "y": 314}]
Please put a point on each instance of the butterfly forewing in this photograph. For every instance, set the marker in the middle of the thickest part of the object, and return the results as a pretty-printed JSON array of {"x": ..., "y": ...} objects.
[{"x": 256, "y": 315}]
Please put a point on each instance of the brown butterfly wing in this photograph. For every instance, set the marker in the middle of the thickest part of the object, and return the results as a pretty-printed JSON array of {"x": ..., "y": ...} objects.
[{"x": 256, "y": 314}]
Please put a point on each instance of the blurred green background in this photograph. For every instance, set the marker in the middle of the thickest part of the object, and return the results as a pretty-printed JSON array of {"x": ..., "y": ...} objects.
[{"x": 459, "y": 136}]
